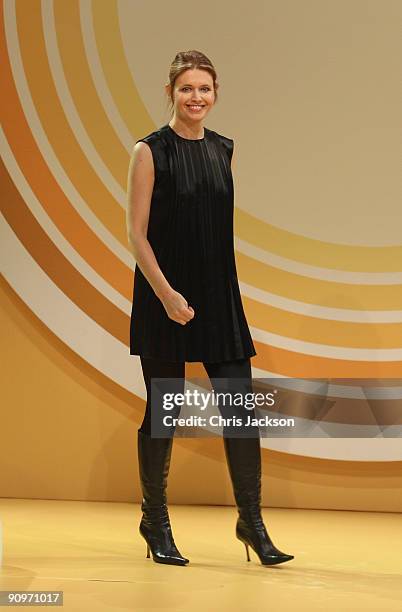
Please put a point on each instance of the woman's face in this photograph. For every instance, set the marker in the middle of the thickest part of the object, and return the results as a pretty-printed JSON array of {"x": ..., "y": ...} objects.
[{"x": 193, "y": 95}]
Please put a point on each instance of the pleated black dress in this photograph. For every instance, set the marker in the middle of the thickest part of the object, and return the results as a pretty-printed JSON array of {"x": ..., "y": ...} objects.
[{"x": 190, "y": 230}]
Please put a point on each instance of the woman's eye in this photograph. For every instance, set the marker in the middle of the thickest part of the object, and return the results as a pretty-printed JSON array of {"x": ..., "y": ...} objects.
[{"x": 203, "y": 88}]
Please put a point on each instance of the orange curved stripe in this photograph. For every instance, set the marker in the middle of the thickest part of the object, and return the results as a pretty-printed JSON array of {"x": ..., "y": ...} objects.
[
  {"x": 323, "y": 331},
  {"x": 320, "y": 292},
  {"x": 48, "y": 192},
  {"x": 354, "y": 258},
  {"x": 58, "y": 131},
  {"x": 56, "y": 266},
  {"x": 112, "y": 53},
  {"x": 82, "y": 89},
  {"x": 298, "y": 365}
]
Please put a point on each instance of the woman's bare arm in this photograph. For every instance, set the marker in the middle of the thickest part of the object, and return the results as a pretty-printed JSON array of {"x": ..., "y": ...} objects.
[
  {"x": 141, "y": 177},
  {"x": 139, "y": 191}
]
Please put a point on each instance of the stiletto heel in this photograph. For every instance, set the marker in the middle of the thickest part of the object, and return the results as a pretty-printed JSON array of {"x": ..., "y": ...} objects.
[
  {"x": 154, "y": 461},
  {"x": 244, "y": 462}
]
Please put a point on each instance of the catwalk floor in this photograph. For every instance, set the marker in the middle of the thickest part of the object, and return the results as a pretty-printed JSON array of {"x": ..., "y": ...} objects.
[{"x": 92, "y": 551}]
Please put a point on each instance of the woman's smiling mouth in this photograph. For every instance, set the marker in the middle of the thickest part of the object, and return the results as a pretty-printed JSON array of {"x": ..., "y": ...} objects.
[{"x": 195, "y": 107}]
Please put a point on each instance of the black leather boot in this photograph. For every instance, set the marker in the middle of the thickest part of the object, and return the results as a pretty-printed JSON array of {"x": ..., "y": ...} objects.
[
  {"x": 243, "y": 456},
  {"x": 154, "y": 462}
]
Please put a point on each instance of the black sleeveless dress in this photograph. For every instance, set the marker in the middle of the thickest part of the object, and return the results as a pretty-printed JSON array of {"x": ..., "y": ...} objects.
[{"x": 190, "y": 230}]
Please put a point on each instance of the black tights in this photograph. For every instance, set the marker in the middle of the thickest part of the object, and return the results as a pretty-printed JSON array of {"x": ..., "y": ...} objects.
[{"x": 153, "y": 368}]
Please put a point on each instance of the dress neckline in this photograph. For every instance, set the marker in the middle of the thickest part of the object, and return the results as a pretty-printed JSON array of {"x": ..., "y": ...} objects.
[{"x": 188, "y": 139}]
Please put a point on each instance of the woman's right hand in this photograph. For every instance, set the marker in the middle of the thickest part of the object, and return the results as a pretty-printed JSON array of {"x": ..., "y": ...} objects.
[{"x": 177, "y": 308}]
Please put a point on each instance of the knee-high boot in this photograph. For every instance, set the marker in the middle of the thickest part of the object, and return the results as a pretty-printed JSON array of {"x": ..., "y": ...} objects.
[
  {"x": 243, "y": 457},
  {"x": 154, "y": 462}
]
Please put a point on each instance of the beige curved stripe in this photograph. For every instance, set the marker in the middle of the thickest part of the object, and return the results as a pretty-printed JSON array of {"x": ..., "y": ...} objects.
[
  {"x": 121, "y": 83},
  {"x": 319, "y": 331},
  {"x": 316, "y": 252},
  {"x": 320, "y": 312},
  {"x": 291, "y": 363},
  {"x": 80, "y": 102},
  {"x": 101, "y": 85},
  {"x": 329, "y": 351},
  {"x": 328, "y": 274},
  {"x": 312, "y": 291},
  {"x": 346, "y": 457}
]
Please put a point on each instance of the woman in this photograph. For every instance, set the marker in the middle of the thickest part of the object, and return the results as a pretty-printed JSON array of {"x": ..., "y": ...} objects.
[{"x": 186, "y": 302}]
